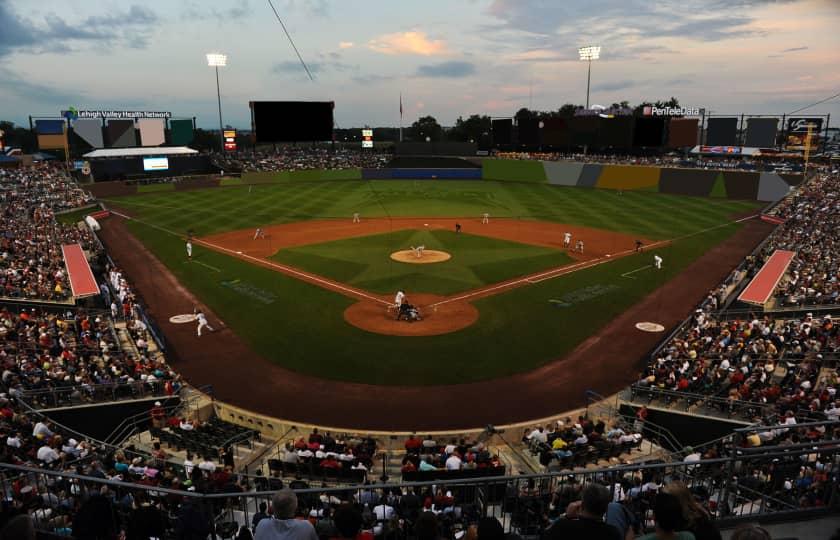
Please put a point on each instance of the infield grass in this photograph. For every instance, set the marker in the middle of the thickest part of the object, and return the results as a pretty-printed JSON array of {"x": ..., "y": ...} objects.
[
  {"x": 301, "y": 326},
  {"x": 476, "y": 261}
]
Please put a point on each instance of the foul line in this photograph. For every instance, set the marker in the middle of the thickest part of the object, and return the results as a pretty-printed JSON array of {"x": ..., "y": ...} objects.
[
  {"x": 265, "y": 262},
  {"x": 563, "y": 270},
  {"x": 627, "y": 274},
  {"x": 205, "y": 264}
]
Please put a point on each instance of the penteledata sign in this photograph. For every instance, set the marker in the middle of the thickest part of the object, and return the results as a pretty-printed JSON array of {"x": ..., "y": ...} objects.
[{"x": 652, "y": 110}]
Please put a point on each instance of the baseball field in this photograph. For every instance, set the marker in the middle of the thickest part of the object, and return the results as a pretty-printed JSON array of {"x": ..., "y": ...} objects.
[{"x": 313, "y": 294}]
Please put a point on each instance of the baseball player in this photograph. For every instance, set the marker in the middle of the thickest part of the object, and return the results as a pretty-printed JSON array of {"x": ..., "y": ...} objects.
[
  {"x": 202, "y": 321},
  {"x": 657, "y": 262},
  {"x": 189, "y": 249},
  {"x": 579, "y": 246},
  {"x": 259, "y": 233},
  {"x": 638, "y": 246},
  {"x": 457, "y": 228},
  {"x": 567, "y": 240},
  {"x": 485, "y": 218},
  {"x": 356, "y": 218},
  {"x": 418, "y": 251}
]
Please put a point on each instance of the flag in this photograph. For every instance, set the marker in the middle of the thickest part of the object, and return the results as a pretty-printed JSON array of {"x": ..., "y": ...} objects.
[{"x": 401, "y": 109}]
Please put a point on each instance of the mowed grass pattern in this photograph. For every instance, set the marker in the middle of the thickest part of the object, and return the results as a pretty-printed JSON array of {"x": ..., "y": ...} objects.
[
  {"x": 652, "y": 215},
  {"x": 476, "y": 261}
]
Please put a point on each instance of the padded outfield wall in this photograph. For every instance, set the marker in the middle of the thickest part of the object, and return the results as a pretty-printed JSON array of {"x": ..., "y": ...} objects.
[{"x": 748, "y": 185}]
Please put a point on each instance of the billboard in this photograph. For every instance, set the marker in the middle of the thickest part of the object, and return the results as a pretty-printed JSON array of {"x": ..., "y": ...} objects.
[
  {"x": 761, "y": 132},
  {"x": 797, "y": 133},
  {"x": 722, "y": 132},
  {"x": 292, "y": 121},
  {"x": 682, "y": 132},
  {"x": 155, "y": 164},
  {"x": 649, "y": 132},
  {"x": 151, "y": 131},
  {"x": 502, "y": 130}
]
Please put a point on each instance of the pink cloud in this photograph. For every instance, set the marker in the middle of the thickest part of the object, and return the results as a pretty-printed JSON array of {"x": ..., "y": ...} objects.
[{"x": 414, "y": 42}]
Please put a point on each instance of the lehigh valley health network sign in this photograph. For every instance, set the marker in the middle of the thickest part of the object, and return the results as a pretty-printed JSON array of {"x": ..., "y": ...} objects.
[{"x": 73, "y": 114}]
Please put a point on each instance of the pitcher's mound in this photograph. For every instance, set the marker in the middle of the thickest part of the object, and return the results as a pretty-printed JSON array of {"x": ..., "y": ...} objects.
[{"x": 429, "y": 256}]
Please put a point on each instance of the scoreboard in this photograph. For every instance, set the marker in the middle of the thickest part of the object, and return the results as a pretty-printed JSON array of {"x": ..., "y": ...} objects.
[
  {"x": 367, "y": 138},
  {"x": 230, "y": 140}
]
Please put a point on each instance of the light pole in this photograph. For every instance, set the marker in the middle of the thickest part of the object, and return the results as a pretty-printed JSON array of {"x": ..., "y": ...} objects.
[
  {"x": 590, "y": 53},
  {"x": 216, "y": 60}
]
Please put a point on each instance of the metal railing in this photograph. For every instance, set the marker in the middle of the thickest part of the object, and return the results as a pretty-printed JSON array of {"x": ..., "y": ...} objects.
[
  {"x": 524, "y": 504},
  {"x": 69, "y": 396},
  {"x": 728, "y": 408}
]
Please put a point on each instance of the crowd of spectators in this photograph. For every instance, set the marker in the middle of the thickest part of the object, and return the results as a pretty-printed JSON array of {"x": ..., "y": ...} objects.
[
  {"x": 577, "y": 443},
  {"x": 295, "y": 158},
  {"x": 328, "y": 454},
  {"x": 812, "y": 219},
  {"x": 423, "y": 454},
  {"x": 745, "y": 163},
  {"x": 774, "y": 362},
  {"x": 31, "y": 261}
]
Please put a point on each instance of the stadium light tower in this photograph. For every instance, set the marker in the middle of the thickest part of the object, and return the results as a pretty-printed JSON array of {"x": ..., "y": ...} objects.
[
  {"x": 216, "y": 60},
  {"x": 590, "y": 53}
]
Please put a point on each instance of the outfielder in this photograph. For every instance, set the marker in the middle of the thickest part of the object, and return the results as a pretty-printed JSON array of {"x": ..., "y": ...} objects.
[
  {"x": 189, "y": 249},
  {"x": 485, "y": 218},
  {"x": 657, "y": 262},
  {"x": 202, "y": 321},
  {"x": 356, "y": 218},
  {"x": 567, "y": 240}
]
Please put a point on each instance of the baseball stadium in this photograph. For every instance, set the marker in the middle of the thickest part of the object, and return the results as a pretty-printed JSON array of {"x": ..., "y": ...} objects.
[{"x": 585, "y": 322}]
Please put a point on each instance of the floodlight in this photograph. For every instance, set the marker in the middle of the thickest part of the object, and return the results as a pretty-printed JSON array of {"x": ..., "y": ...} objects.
[
  {"x": 593, "y": 52},
  {"x": 216, "y": 60}
]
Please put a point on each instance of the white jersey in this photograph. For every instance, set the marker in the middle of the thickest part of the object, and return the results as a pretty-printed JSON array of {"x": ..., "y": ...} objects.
[
  {"x": 200, "y": 317},
  {"x": 398, "y": 300}
]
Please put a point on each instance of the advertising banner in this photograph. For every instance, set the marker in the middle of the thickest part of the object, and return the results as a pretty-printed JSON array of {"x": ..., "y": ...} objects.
[{"x": 797, "y": 133}]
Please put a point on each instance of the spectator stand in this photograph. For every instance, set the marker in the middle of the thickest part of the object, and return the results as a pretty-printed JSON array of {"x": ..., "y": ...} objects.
[{"x": 791, "y": 485}]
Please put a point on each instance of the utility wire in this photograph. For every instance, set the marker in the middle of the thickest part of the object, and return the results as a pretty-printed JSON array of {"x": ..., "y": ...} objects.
[
  {"x": 814, "y": 104},
  {"x": 291, "y": 41}
]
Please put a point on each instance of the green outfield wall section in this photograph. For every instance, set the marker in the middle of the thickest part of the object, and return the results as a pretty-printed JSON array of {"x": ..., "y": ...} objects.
[
  {"x": 695, "y": 182},
  {"x": 791, "y": 179},
  {"x": 628, "y": 177},
  {"x": 771, "y": 187},
  {"x": 318, "y": 174},
  {"x": 741, "y": 185},
  {"x": 719, "y": 187},
  {"x": 562, "y": 173},
  {"x": 513, "y": 169},
  {"x": 589, "y": 175}
]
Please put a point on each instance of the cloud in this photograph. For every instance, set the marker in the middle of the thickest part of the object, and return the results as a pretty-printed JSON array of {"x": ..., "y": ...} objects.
[
  {"x": 795, "y": 49},
  {"x": 196, "y": 11},
  {"x": 372, "y": 78},
  {"x": 45, "y": 95},
  {"x": 293, "y": 66},
  {"x": 345, "y": 44},
  {"x": 56, "y": 34},
  {"x": 452, "y": 70},
  {"x": 413, "y": 42},
  {"x": 613, "y": 86}
]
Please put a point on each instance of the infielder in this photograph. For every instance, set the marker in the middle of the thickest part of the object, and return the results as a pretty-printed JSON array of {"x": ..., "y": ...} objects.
[
  {"x": 657, "y": 262},
  {"x": 485, "y": 218},
  {"x": 638, "y": 246},
  {"x": 356, "y": 218},
  {"x": 579, "y": 246},
  {"x": 259, "y": 233},
  {"x": 189, "y": 249},
  {"x": 202, "y": 321},
  {"x": 567, "y": 240}
]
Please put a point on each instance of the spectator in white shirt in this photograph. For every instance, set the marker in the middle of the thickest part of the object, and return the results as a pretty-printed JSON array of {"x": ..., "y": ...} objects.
[
  {"x": 13, "y": 440},
  {"x": 539, "y": 435},
  {"x": 47, "y": 454},
  {"x": 453, "y": 462},
  {"x": 42, "y": 431},
  {"x": 189, "y": 464},
  {"x": 207, "y": 465}
]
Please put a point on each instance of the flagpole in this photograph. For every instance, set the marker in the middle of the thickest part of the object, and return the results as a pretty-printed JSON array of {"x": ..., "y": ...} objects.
[{"x": 401, "y": 118}]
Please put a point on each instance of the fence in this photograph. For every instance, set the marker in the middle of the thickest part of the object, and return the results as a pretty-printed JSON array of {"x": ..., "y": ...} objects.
[{"x": 730, "y": 488}]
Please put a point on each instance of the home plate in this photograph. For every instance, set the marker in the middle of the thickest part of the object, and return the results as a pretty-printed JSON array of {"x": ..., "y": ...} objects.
[{"x": 650, "y": 327}]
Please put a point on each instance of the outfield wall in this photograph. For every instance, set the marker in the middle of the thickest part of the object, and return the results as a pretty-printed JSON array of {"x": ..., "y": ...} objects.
[{"x": 745, "y": 185}]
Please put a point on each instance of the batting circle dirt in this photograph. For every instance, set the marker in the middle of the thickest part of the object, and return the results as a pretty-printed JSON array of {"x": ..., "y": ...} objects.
[
  {"x": 436, "y": 318},
  {"x": 428, "y": 256}
]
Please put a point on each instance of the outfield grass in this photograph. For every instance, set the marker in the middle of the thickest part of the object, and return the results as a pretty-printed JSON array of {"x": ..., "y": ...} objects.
[
  {"x": 651, "y": 215},
  {"x": 75, "y": 216},
  {"x": 155, "y": 188},
  {"x": 301, "y": 326},
  {"x": 476, "y": 261}
]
